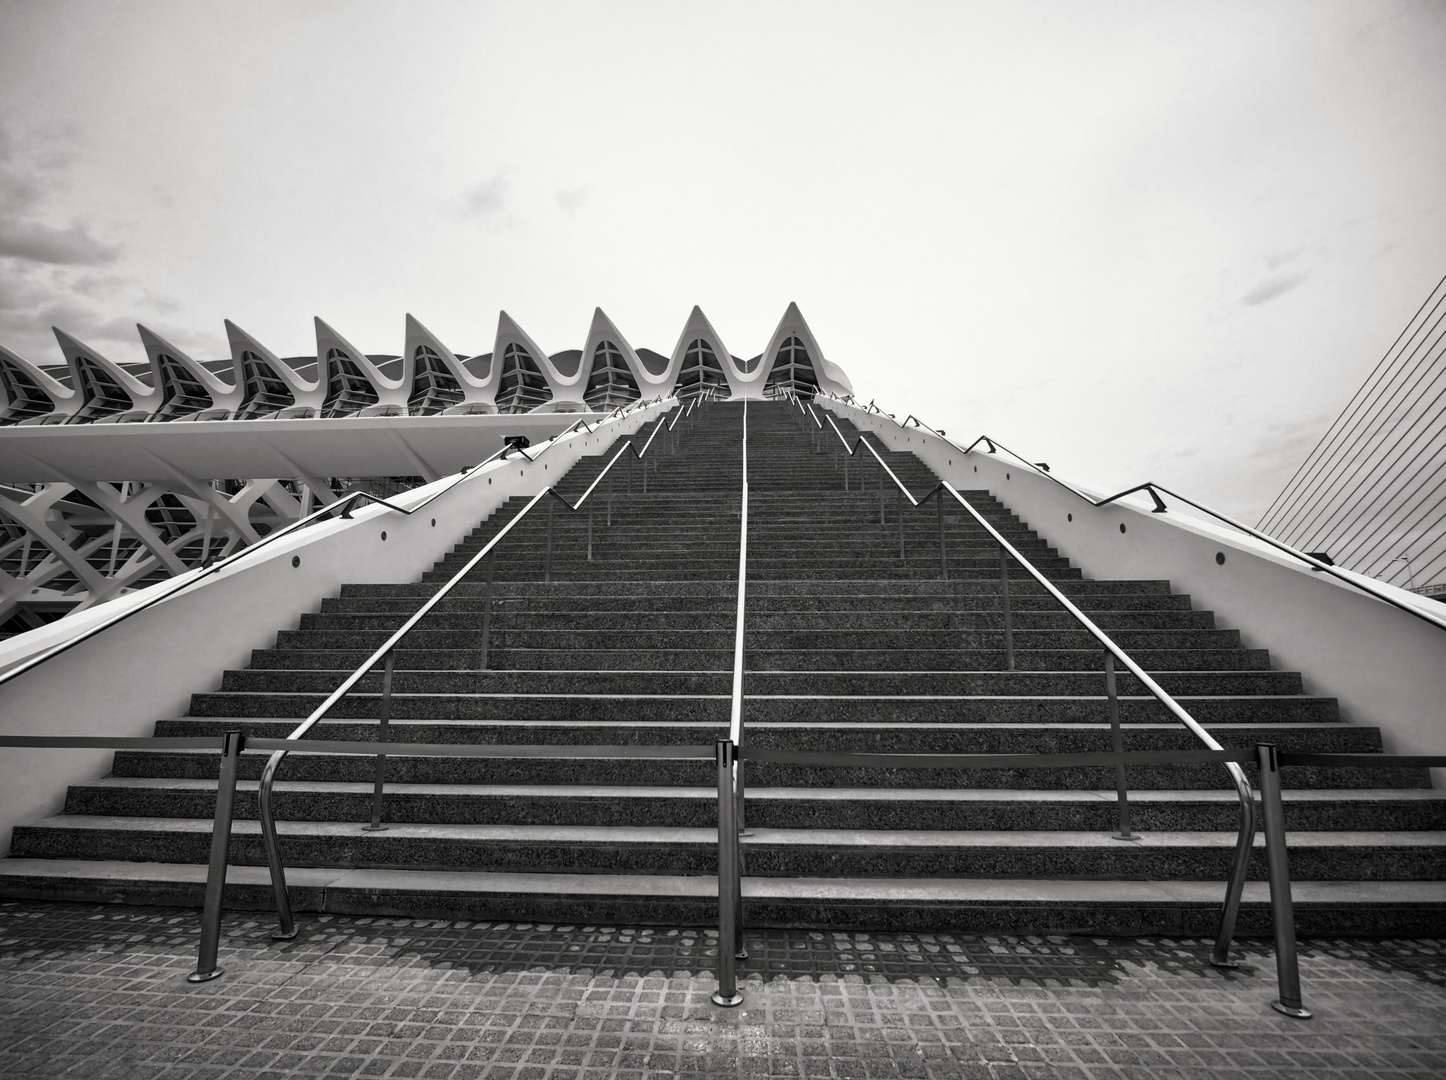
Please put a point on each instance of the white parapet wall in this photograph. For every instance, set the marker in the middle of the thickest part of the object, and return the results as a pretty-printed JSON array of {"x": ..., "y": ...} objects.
[
  {"x": 145, "y": 669},
  {"x": 1385, "y": 666}
]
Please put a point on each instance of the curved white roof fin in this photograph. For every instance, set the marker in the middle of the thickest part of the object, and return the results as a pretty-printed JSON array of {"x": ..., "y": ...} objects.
[
  {"x": 108, "y": 391},
  {"x": 172, "y": 369},
  {"x": 30, "y": 394},
  {"x": 474, "y": 391},
  {"x": 645, "y": 382}
]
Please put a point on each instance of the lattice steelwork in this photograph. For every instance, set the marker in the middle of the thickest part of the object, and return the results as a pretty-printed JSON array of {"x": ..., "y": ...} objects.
[
  {"x": 700, "y": 370},
  {"x": 348, "y": 390},
  {"x": 611, "y": 383},
  {"x": 433, "y": 387},
  {"x": 792, "y": 370},
  {"x": 266, "y": 392},
  {"x": 25, "y": 399},
  {"x": 522, "y": 385},
  {"x": 102, "y": 395},
  {"x": 182, "y": 394}
]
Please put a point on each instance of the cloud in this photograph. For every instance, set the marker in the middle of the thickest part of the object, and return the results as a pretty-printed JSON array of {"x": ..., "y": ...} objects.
[
  {"x": 22, "y": 237},
  {"x": 570, "y": 199},
  {"x": 39, "y": 243},
  {"x": 1267, "y": 290},
  {"x": 487, "y": 199}
]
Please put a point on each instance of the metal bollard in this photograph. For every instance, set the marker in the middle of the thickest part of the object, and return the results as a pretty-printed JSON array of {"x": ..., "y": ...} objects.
[
  {"x": 1008, "y": 613},
  {"x": 1117, "y": 743},
  {"x": 210, "y": 944},
  {"x": 727, "y": 993},
  {"x": 381, "y": 760},
  {"x": 1277, "y": 858}
]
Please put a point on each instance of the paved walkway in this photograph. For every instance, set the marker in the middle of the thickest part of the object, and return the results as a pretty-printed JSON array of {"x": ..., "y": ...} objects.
[{"x": 99, "y": 991}]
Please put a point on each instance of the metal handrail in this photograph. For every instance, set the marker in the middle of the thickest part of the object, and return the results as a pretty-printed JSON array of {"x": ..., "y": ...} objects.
[
  {"x": 345, "y": 505},
  {"x": 1155, "y": 490},
  {"x": 386, "y": 654},
  {"x": 1113, "y": 652}
]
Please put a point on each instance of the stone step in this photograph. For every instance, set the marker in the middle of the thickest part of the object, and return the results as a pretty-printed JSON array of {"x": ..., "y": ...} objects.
[
  {"x": 958, "y": 905},
  {"x": 1315, "y": 856},
  {"x": 722, "y": 615},
  {"x": 853, "y": 709},
  {"x": 928, "y": 739},
  {"x": 798, "y": 683},
  {"x": 504, "y": 657},
  {"x": 825, "y": 637},
  {"x": 1369, "y": 810}
]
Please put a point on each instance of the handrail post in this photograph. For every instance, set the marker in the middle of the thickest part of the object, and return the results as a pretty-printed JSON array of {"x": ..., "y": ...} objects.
[
  {"x": 943, "y": 557},
  {"x": 589, "y": 533},
  {"x": 727, "y": 993},
  {"x": 486, "y": 610},
  {"x": 382, "y": 731},
  {"x": 1117, "y": 743},
  {"x": 1282, "y": 914},
  {"x": 1235, "y": 885},
  {"x": 1005, "y": 605},
  {"x": 846, "y": 457},
  {"x": 610, "y": 498},
  {"x": 206, "y": 968},
  {"x": 286, "y": 925},
  {"x": 547, "y": 564},
  {"x": 882, "y": 520}
]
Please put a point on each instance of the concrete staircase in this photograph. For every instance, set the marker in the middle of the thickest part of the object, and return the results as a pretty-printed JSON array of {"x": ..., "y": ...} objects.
[{"x": 848, "y": 648}]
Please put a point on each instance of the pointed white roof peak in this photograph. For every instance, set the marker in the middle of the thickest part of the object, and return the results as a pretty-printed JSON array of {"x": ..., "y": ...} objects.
[
  {"x": 155, "y": 345},
  {"x": 76, "y": 352}
]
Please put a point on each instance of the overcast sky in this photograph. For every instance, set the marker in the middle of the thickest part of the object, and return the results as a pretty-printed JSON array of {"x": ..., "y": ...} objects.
[{"x": 1137, "y": 240}]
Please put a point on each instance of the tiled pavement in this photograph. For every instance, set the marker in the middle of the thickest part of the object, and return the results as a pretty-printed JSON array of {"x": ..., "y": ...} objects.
[{"x": 99, "y": 991}]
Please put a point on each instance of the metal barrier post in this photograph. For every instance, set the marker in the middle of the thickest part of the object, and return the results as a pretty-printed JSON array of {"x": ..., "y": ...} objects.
[
  {"x": 206, "y": 968},
  {"x": 943, "y": 558},
  {"x": 846, "y": 469},
  {"x": 1005, "y": 605},
  {"x": 381, "y": 761},
  {"x": 882, "y": 519},
  {"x": 547, "y": 565},
  {"x": 610, "y": 498},
  {"x": 727, "y": 993},
  {"x": 487, "y": 610},
  {"x": 1282, "y": 914},
  {"x": 589, "y": 532},
  {"x": 1117, "y": 743}
]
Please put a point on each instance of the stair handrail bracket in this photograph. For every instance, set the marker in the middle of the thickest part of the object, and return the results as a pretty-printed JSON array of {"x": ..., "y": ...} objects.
[
  {"x": 385, "y": 653},
  {"x": 1246, "y": 837}
]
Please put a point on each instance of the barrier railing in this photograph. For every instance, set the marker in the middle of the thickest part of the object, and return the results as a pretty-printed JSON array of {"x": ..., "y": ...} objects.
[
  {"x": 1155, "y": 491},
  {"x": 1269, "y": 759},
  {"x": 385, "y": 655}
]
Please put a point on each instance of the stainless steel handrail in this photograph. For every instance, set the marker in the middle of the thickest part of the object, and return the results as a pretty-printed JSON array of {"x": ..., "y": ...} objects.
[
  {"x": 385, "y": 654},
  {"x": 1220, "y": 956},
  {"x": 1155, "y": 490}
]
